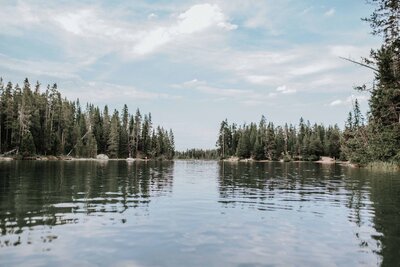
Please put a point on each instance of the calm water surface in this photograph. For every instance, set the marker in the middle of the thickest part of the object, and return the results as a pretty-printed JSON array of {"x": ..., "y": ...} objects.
[{"x": 197, "y": 213}]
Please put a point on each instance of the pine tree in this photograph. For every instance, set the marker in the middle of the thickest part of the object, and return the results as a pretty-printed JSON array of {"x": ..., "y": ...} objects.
[
  {"x": 47, "y": 124},
  {"x": 156, "y": 144},
  {"x": 8, "y": 104},
  {"x": 91, "y": 146},
  {"x": 316, "y": 149},
  {"x": 124, "y": 134},
  {"x": 252, "y": 137},
  {"x": 27, "y": 145},
  {"x": 280, "y": 142},
  {"x": 98, "y": 128},
  {"x": 259, "y": 146},
  {"x": 171, "y": 147},
  {"x": 223, "y": 142},
  {"x": 385, "y": 20},
  {"x": 131, "y": 137},
  {"x": 270, "y": 146},
  {"x": 1, "y": 113},
  {"x": 259, "y": 149},
  {"x": 379, "y": 140},
  {"x": 113, "y": 140},
  {"x": 137, "y": 132},
  {"x": 235, "y": 139},
  {"x": 146, "y": 135},
  {"x": 106, "y": 130},
  {"x": 243, "y": 150},
  {"x": 36, "y": 119}
]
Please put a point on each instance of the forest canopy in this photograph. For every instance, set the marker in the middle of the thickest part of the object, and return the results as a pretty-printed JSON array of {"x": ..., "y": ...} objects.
[
  {"x": 266, "y": 141},
  {"x": 44, "y": 123}
]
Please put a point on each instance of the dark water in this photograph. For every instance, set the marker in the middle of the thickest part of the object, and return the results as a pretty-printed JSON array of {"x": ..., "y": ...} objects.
[{"x": 201, "y": 213}]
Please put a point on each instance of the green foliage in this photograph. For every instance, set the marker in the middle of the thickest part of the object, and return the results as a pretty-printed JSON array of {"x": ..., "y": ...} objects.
[
  {"x": 46, "y": 124},
  {"x": 384, "y": 166},
  {"x": 244, "y": 145},
  {"x": 113, "y": 140},
  {"x": 258, "y": 153},
  {"x": 385, "y": 19},
  {"x": 266, "y": 141},
  {"x": 27, "y": 145},
  {"x": 379, "y": 140}
]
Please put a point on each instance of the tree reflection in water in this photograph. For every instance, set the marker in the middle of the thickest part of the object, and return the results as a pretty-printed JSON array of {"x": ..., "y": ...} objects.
[
  {"x": 37, "y": 195},
  {"x": 372, "y": 199}
]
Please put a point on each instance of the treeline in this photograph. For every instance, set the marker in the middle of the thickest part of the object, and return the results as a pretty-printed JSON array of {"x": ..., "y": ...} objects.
[
  {"x": 379, "y": 138},
  {"x": 375, "y": 138},
  {"x": 266, "y": 141},
  {"x": 44, "y": 123},
  {"x": 197, "y": 154}
]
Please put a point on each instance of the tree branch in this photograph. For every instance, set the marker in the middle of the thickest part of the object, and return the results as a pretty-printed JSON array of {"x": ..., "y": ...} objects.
[{"x": 359, "y": 63}]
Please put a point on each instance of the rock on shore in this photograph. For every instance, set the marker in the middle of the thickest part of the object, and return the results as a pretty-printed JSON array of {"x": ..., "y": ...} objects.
[{"x": 102, "y": 157}]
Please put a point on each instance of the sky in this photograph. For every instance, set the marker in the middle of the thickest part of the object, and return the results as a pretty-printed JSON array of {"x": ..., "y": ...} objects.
[{"x": 193, "y": 64}]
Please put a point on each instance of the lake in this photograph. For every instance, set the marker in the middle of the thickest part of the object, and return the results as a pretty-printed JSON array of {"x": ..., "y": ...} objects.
[{"x": 197, "y": 213}]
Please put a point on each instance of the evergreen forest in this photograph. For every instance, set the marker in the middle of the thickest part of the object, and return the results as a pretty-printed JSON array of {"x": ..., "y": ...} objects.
[
  {"x": 199, "y": 154},
  {"x": 367, "y": 139},
  {"x": 44, "y": 123},
  {"x": 266, "y": 141},
  {"x": 378, "y": 139}
]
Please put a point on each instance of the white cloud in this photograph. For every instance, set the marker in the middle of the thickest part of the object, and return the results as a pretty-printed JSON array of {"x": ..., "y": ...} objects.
[
  {"x": 259, "y": 14},
  {"x": 193, "y": 82},
  {"x": 191, "y": 37},
  {"x": 315, "y": 67},
  {"x": 336, "y": 102},
  {"x": 203, "y": 87},
  {"x": 25, "y": 17},
  {"x": 244, "y": 96},
  {"x": 75, "y": 22},
  {"x": 138, "y": 41},
  {"x": 105, "y": 32},
  {"x": 330, "y": 12},
  {"x": 259, "y": 79},
  {"x": 284, "y": 90},
  {"x": 306, "y": 10},
  {"x": 152, "y": 16},
  {"x": 202, "y": 16},
  {"x": 41, "y": 67},
  {"x": 296, "y": 67},
  {"x": 196, "y": 19},
  {"x": 103, "y": 92},
  {"x": 348, "y": 50},
  {"x": 151, "y": 41}
]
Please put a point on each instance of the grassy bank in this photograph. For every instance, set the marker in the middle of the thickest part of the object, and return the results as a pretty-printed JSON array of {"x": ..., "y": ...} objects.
[{"x": 383, "y": 166}]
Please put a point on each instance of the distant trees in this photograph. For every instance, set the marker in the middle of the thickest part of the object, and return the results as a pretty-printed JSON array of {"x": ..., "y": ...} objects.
[
  {"x": 267, "y": 141},
  {"x": 355, "y": 141},
  {"x": 44, "y": 123},
  {"x": 201, "y": 154},
  {"x": 376, "y": 138}
]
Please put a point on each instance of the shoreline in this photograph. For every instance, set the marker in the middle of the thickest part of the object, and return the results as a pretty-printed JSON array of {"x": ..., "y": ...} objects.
[
  {"x": 323, "y": 160},
  {"x": 384, "y": 166},
  {"x": 373, "y": 166},
  {"x": 61, "y": 158}
]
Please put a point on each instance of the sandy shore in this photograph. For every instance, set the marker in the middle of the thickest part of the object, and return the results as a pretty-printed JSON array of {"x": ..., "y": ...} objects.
[{"x": 326, "y": 160}]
